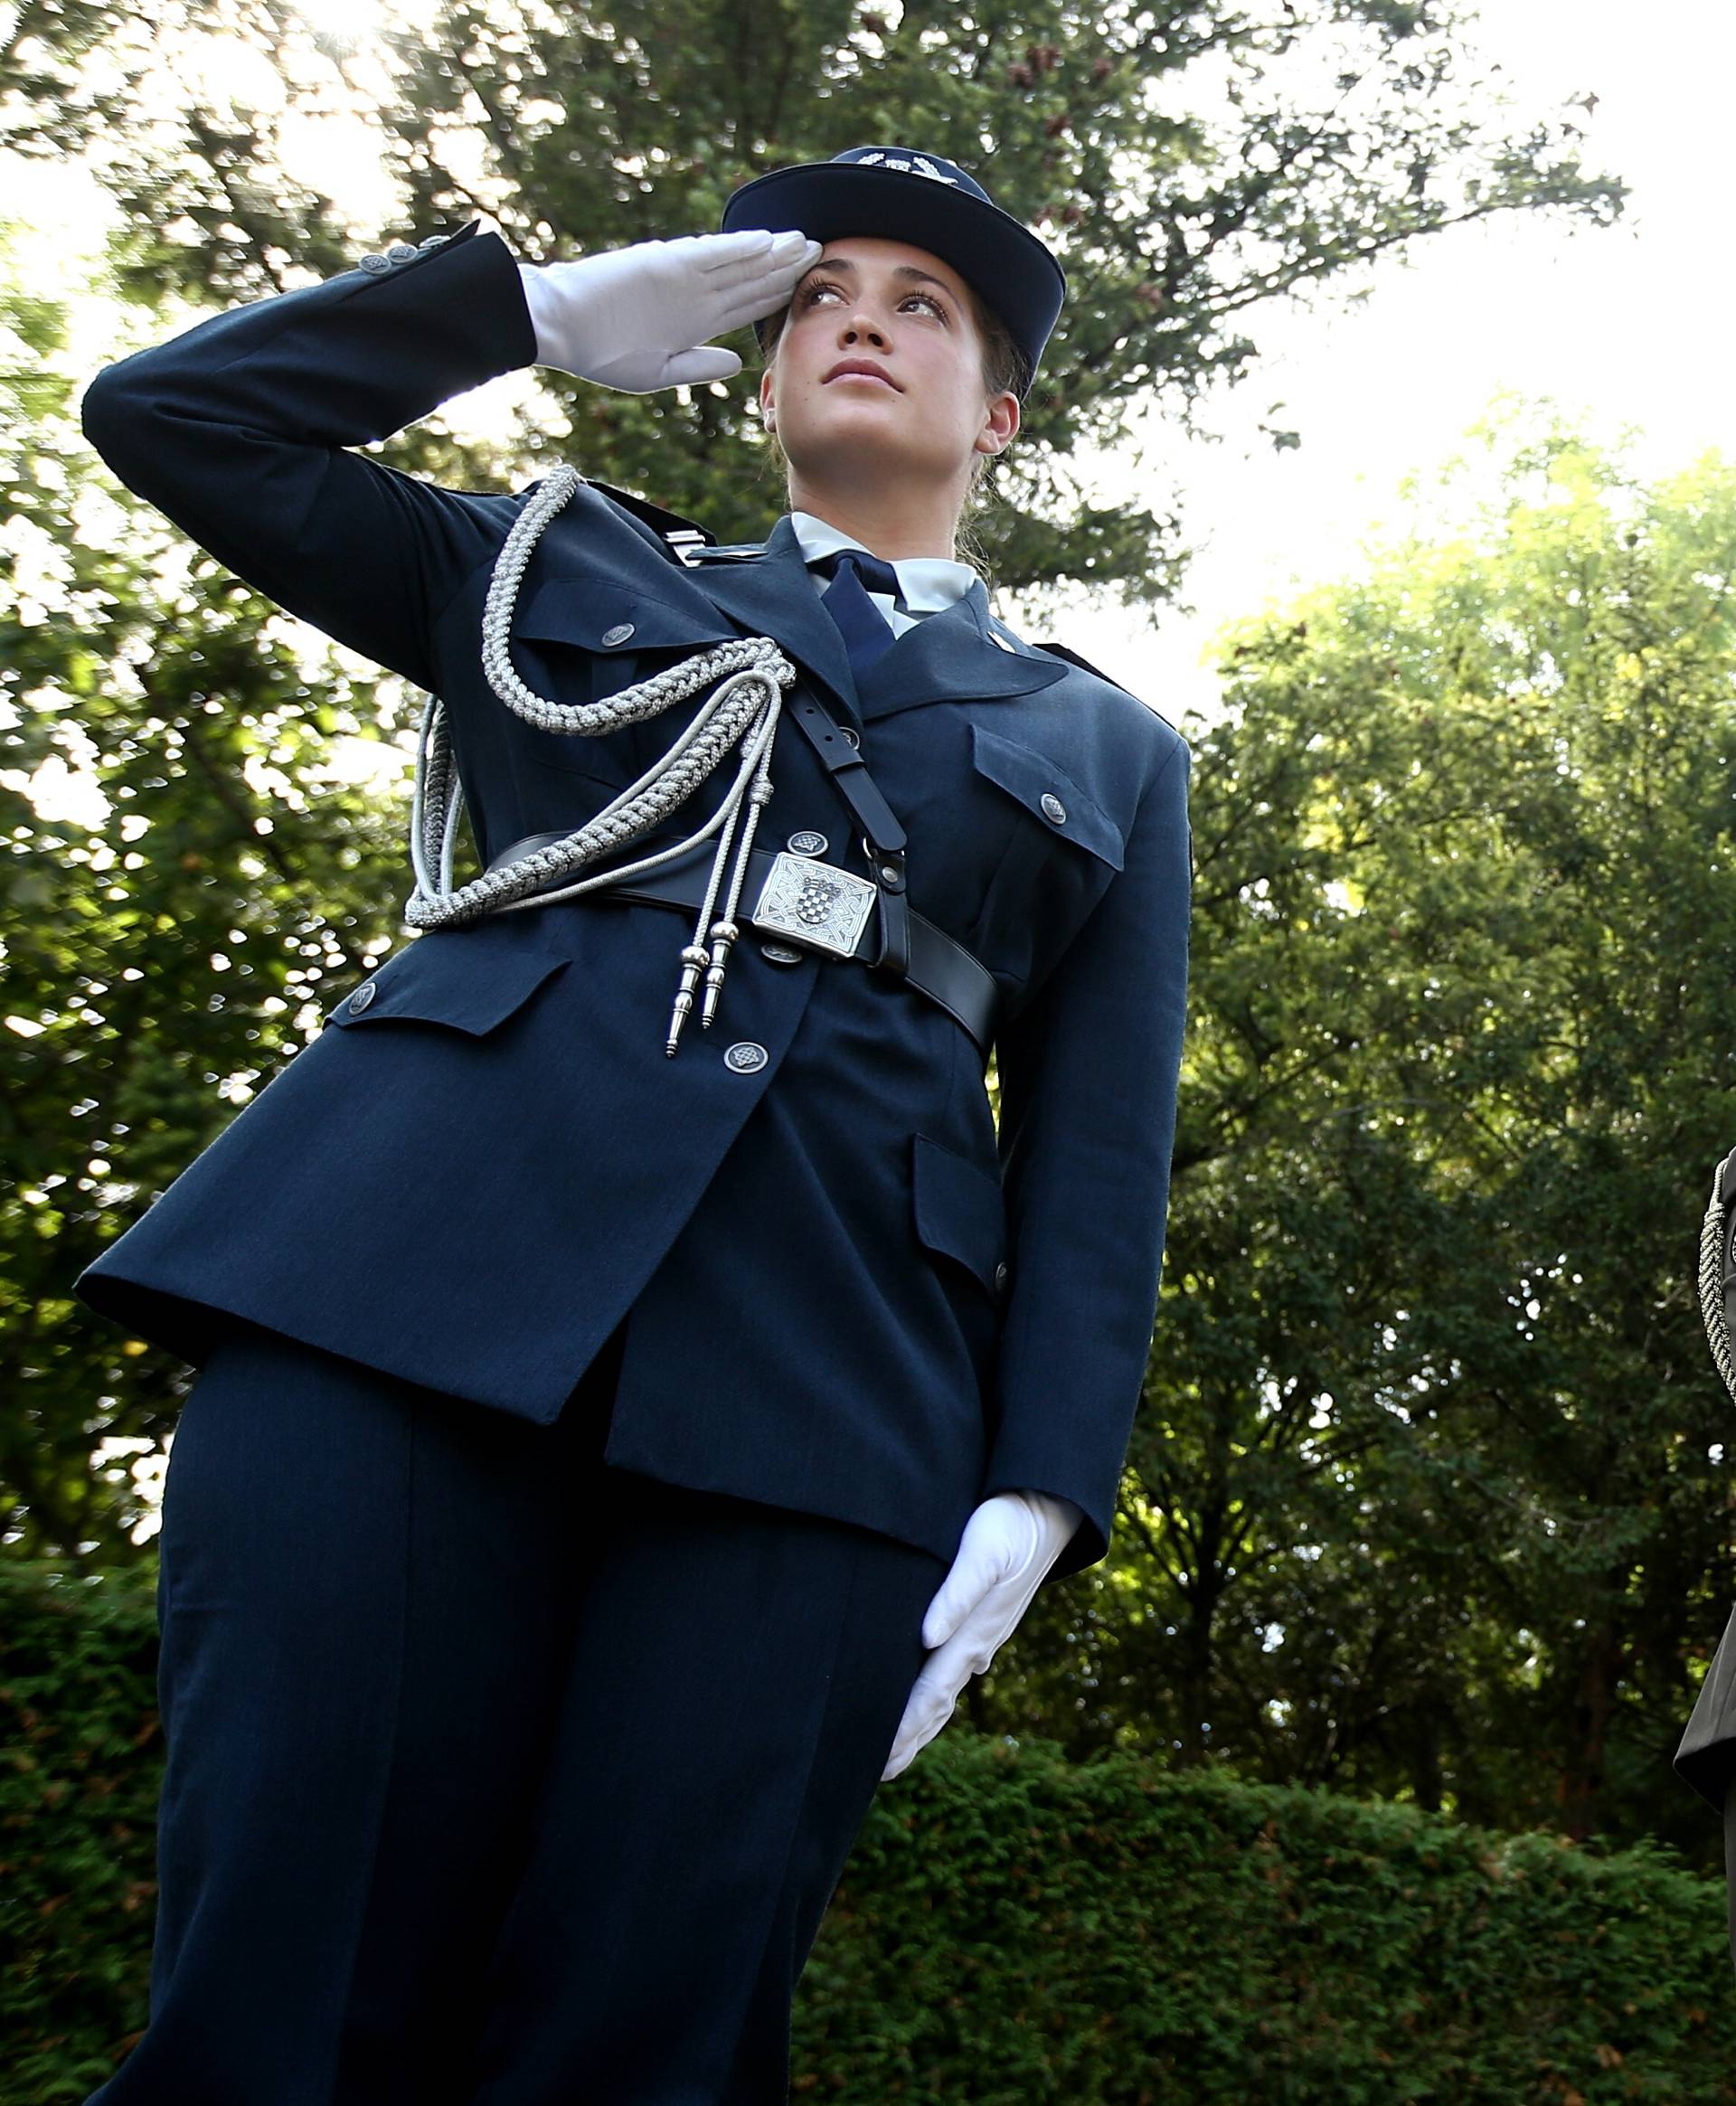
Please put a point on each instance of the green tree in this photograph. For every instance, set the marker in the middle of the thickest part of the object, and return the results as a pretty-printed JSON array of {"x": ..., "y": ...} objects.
[
  {"x": 164, "y": 959},
  {"x": 1430, "y": 1493},
  {"x": 1191, "y": 162},
  {"x": 164, "y": 951}
]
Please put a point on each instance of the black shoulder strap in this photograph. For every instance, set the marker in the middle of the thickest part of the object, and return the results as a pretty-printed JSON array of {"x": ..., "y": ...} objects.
[
  {"x": 883, "y": 835},
  {"x": 1054, "y": 651},
  {"x": 1073, "y": 659}
]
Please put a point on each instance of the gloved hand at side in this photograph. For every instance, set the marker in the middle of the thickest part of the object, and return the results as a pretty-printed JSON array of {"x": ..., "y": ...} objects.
[
  {"x": 641, "y": 318},
  {"x": 1009, "y": 1543}
]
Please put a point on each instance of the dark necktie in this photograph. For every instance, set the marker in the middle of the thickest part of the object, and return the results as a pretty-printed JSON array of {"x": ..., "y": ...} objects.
[{"x": 866, "y": 632}]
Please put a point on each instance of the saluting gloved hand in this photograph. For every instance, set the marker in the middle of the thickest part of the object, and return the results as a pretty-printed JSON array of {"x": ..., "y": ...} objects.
[
  {"x": 640, "y": 318},
  {"x": 1009, "y": 1543}
]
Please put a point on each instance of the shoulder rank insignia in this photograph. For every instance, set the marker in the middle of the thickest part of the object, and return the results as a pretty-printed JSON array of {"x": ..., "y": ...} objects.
[
  {"x": 679, "y": 536},
  {"x": 728, "y": 552}
]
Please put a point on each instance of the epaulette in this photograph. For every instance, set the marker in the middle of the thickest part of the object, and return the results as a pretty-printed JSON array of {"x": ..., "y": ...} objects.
[
  {"x": 1085, "y": 665},
  {"x": 1009, "y": 639},
  {"x": 1073, "y": 659},
  {"x": 728, "y": 552},
  {"x": 677, "y": 535}
]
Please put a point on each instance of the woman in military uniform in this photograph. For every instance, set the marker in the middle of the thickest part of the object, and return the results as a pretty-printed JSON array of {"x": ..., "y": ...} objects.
[{"x": 640, "y": 1381}]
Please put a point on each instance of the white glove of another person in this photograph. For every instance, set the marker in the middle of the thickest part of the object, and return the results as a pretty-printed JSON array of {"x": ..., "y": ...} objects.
[
  {"x": 640, "y": 318},
  {"x": 1009, "y": 1543}
]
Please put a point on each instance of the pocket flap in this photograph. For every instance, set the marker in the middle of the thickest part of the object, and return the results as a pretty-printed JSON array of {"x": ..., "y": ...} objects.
[
  {"x": 444, "y": 980},
  {"x": 1032, "y": 778},
  {"x": 959, "y": 1209},
  {"x": 602, "y": 618}
]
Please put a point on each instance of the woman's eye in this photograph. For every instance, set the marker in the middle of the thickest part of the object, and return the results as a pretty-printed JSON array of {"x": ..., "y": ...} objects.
[{"x": 811, "y": 293}]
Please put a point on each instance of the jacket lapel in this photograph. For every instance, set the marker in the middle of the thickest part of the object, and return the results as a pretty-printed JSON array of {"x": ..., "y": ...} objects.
[
  {"x": 949, "y": 656},
  {"x": 952, "y": 657},
  {"x": 771, "y": 595}
]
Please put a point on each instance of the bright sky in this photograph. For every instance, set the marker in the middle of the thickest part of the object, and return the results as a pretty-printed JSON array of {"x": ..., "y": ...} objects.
[{"x": 1625, "y": 327}]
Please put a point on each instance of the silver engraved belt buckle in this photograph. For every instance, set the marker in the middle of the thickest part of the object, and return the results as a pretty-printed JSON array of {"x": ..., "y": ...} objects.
[{"x": 816, "y": 902}]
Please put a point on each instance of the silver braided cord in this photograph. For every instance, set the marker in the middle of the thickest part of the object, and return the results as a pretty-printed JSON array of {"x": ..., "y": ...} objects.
[
  {"x": 742, "y": 711},
  {"x": 1712, "y": 1288}
]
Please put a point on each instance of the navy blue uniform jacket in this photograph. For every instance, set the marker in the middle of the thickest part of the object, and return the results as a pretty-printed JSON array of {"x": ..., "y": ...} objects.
[{"x": 847, "y": 1294}]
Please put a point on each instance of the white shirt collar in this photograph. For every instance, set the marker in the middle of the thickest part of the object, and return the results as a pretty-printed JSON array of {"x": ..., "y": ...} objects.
[{"x": 926, "y": 584}]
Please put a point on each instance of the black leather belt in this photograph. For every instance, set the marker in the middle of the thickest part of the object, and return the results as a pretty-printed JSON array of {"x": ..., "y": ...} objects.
[{"x": 937, "y": 966}]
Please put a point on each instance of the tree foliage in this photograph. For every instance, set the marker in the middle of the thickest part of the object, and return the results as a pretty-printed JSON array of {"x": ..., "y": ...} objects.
[
  {"x": 1430, "y": 1495},
  {"x": 1423, "y": 1500},
  {"x": 163, "y": 940},
  {"x": 1189, "y": 161}
]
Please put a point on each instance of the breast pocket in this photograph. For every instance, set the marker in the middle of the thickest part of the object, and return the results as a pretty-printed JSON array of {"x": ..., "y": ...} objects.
[
  {"x": 1062, "y": 810},
  {"x": 1063, "y": 851},
  {"x": 576, "y": 640}
]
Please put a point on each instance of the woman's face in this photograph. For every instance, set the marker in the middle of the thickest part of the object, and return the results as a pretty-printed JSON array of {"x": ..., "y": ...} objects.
[{"x": 905, "y": 314}]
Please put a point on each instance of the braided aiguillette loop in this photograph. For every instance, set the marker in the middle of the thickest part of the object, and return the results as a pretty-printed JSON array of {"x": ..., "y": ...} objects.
[
  {"x": 742, "y": 711},
  {"x": 1713, "y": 1229}
]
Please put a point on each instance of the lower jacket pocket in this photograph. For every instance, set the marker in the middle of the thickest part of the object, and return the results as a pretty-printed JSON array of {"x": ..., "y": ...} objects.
[
  {"x": 959, "y": 1211},
  {"x": 445, "y": 980}
]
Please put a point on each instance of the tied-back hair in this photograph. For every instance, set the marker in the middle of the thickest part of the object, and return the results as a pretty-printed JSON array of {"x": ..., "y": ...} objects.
[{"x": 1004, "y": 372}]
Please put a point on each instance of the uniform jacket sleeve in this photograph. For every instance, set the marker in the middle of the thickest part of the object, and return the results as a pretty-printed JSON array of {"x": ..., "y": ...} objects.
[
  {"x": 1088, "y": 1074},
  {"x": 237, "y": 430},
  {"x": 1706, "y": 1757}
]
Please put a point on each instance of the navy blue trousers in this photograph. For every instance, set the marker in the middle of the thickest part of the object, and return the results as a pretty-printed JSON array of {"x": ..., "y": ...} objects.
[{"x": 496, "y": 1776}]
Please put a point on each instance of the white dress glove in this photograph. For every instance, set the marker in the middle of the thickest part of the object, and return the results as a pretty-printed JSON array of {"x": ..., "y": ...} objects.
[
  {"x": 641, "y": 318},
  {"x": 1009, "y": 1543}
]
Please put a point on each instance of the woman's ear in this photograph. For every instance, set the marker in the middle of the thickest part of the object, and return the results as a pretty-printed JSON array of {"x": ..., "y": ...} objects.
[
  {"x": 1000, "y": 423},
  {"x": 768, "y": 411}
]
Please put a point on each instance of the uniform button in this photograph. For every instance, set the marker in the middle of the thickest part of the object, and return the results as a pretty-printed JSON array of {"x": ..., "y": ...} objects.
[
  {"x": 1000, "y": 1273},
  {"x": 433, "y": 241},
  {"x": 617, "y": 634},
  {"x": 1052, "y": 808},
  {"x": 850, "y": 737},
  {"x": 744, "y": 1056},
  {"x": 807, "y": 842},
  {"x": 780, "y": 953},
  {"x": 362, "y": 996},
  {"x": 375, "y": 264},
  {"x": 401, "y": 252}
]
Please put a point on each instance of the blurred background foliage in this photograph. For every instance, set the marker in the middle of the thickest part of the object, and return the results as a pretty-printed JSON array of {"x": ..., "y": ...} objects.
[{"x": 1427, "y": 1497}]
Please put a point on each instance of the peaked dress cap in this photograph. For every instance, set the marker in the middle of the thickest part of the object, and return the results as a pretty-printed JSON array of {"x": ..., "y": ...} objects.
[{"x": 932, "y": 203}]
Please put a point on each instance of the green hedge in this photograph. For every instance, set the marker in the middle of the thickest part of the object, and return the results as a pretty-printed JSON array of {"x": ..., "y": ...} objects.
[
  {"x": 1011, "y": 1928},
  {"x": 78, "y": 1820}
]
